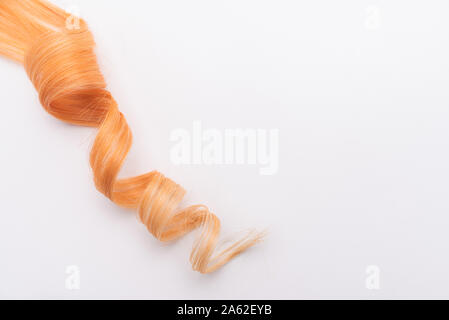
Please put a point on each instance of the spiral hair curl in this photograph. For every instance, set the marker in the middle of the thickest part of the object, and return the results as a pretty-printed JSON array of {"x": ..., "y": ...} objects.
[{"x": 61, "y": 63}]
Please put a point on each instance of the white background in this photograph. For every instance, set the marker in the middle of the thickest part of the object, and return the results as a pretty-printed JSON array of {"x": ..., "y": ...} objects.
[{"x": 359, "y": 92}]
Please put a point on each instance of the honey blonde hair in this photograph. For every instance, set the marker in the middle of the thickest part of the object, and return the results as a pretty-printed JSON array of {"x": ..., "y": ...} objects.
[{"x": 62, "y": 65}]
